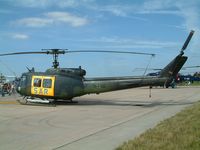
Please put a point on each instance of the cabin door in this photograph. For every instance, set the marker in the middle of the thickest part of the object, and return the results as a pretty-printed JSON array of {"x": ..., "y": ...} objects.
[{"x": 43, "y": 85}]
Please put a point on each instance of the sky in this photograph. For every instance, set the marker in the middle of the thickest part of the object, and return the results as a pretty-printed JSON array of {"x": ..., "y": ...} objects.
[{"x": 152, "y": 26}]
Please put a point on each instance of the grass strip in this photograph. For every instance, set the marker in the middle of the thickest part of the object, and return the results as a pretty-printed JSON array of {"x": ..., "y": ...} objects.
[{"x": 180, "y": 132}]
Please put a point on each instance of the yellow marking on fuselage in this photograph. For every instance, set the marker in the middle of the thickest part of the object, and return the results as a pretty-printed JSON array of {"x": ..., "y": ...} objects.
[{"x": 43, "y": 91}]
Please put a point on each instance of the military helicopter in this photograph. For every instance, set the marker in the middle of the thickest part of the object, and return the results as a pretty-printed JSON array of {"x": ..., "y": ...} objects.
[{"x": 66, "y": 83}]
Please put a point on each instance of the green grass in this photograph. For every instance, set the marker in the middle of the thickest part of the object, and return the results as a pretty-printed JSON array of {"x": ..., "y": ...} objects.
[{"x": 181, "y": 132}]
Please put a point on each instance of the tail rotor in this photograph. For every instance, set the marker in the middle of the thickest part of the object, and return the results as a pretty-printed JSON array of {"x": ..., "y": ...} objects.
[{"x": 186, "y": 42}]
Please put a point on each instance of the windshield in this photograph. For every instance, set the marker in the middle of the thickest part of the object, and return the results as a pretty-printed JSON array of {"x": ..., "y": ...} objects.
[{"x": 23, "y": 81}]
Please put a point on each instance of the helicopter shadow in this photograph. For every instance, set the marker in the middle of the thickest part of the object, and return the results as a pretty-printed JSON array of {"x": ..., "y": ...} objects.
[{"x": 93, "y": 102}]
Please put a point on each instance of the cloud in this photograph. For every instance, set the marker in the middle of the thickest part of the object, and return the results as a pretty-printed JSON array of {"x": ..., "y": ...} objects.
[
  {"x": 156, "y": 5},
  {"x": 64, "y": 17},
  {"x": 20, "y": 36},
  {"x": 32, "y": 3},
  {"x": 52, "y": 18},
  {"x": 125, "y": 11},
  {"x": 34, "y": 22},
  {"x": 67, "y": 3},
  {"x": 117, "y": 42},
  {"x": 115, "y": 10},
  {"x": 49, "y": 3},
  {"x": 188, "y": 10},
  {"x": 160, "y": 12}
]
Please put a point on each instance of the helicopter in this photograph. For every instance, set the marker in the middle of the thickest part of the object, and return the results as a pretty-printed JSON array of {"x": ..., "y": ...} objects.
[{"x": 66, "y": 83}]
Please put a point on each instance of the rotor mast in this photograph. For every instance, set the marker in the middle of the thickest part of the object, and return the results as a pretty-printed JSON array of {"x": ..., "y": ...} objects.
[
  {"x": 55, "y": 60},
  {"x": 55, "y": 53}
]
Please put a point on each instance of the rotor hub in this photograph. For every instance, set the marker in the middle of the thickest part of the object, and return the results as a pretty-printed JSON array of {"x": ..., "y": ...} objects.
[{"x": 55, "y": 53}]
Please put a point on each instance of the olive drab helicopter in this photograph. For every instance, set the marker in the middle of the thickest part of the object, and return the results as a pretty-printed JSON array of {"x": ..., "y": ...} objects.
[{"x": 66, "y": 83}]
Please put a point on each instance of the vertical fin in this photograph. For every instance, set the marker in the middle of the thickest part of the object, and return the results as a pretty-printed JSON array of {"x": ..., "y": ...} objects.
[
  {"x": 173, "y": 67},
  {"x": 177, "y": 63}
]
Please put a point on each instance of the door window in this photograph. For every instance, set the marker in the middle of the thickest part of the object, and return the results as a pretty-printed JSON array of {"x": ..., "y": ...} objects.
[
  {"x": 47, "y": 83},
  {"x": 37, "y": 82}
]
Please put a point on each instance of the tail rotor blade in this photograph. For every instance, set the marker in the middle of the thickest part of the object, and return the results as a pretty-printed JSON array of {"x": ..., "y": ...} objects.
[{"x": 187, "y": 41}]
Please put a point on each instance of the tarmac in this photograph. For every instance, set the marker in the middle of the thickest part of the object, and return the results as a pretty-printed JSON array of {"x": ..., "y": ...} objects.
[{"x": 97, "y": 122}]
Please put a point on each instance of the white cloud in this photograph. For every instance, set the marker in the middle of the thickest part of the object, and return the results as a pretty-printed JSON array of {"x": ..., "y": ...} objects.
[
  {"x": 49, "y": 3},
  {"x": 34, "y": 22},
  {"x": 161, "y": 12},
  {"x": 68, "y": 18},
  {"x": 20, "y": 36},
  {"x": 188, "y": 10},
  {"x": 32, "y": 3},
  {"x": 115, "y": 9},
  {"x": 67, "y": 3},
  {"x": 52, "y": 18},
  {"x": 156, "y": 5},
  {"x": 116, "y": 42}
]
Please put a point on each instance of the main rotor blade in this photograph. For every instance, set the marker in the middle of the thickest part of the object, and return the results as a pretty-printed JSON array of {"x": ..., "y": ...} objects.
[
  {"x": 149, "y": 69},
  {"x": 21, "y": 53},
  {"x": 76, "y": 51},
  {"x": 104, "y": 51},
  {"x": 187, "y": 41},
  {"x": 191, "y": 67}
]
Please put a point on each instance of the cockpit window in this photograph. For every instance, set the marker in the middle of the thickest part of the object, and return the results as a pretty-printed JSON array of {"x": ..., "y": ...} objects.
[
  {"x": 23, "y": 78},
  {"x": 47, "y": 83},
  {"x": 23, "y": 81},
  {"x": 37, "y": 82}
]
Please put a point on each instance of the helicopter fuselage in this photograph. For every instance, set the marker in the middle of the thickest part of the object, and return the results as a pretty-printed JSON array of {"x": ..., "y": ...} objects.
[
  {"x": 52, "y": 84},
  {"x": 67, "y": 83}
]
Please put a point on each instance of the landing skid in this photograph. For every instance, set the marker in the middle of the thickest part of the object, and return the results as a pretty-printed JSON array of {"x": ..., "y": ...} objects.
[
  {"x": 73, "y": 102},
  {"x": 51, "y": 102},
  {"x": 30, "y": 100}
]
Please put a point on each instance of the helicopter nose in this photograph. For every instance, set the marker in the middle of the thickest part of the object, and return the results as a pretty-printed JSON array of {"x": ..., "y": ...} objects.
[{"x": 18, "y": 87}]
